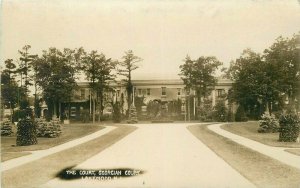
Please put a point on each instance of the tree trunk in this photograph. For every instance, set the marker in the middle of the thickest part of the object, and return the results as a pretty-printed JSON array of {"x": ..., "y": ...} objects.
[
  {"x": 100, "y": 107},
  {"x": 59, "y": 110},
  {"x": 94, "y": 110},
  {"x": 54, "y": 110}
]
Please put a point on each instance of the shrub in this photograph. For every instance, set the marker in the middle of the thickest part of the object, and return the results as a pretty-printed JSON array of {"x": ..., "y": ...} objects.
[
  {"x": 205, "y": 112},
  {"x": 48, "y": 129},
  {"x": 85, "y": 116},
  {"x": 26, "y": 132},
  {"x": 18, "y": 114},
  {"x": 240, "y": 114},
  {"x": 6, "y": 128},
  {"x": 116, "y": 116},
  {"x": 220, "y": 112},
  {"x": 152, "y": 108},
  {"x": 289, "y": 127},
  {"x": 22, "y": 114},
  {"x": 230, "y": 116},
  {"x": 132, "y": 115},
  {"x": 268, "y": 124}
]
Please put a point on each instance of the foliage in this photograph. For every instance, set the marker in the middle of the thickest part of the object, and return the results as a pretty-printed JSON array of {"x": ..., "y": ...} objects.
[
  {"x": 230, "y": 116},
  {"x": 174, "y": 109},
  {"x": 205, "y": 112},
  {"x": 18, "y": 114},
  {"x": 55, "y": 75},
  {"x": 85, "y": 116},
  {"x": 153, "y": 108},
  {"x": 199, "y": 75},
  {"x": 6, "y": 128},
  {"x": 37, "y": 108},
  {"x": 128, "y": 65},
  {"x": 240, "y": 114},
  {"x": 116, "y": 116},
  {"x": 47, "y": 129},
  {"x": 98, "y": 70},
  {"x": 138, "y": 103},
  {"x": 284, "y": 65},
  {"x": 10, "y": 91},
  {"x": 22, "y": 113},
  {"x": 251, "y": 88},
  {"x": 268, "y": 124},
  {"x": 267, "y": 80},
  {"x": 132, "y": 115},
  {"x": 25, "y": 66},
  {"x": 24, "y": 104},
  {"x": 220, "y": 111},
  {"x": 26, "y": 132},
  {"x": 289, "y": 127}
]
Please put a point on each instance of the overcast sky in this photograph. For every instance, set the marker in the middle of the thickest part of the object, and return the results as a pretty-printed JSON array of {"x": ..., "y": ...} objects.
[{"x": 160, "y": 32}]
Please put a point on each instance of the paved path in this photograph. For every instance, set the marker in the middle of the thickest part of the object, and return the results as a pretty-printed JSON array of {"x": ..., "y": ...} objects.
[
  {"x": 43, "y": 153},
  {"x": 277, "y": 153},
  {"x": 170, "y": 155}
]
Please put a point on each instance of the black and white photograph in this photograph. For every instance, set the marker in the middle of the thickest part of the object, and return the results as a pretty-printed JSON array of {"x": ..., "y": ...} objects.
[{"x": 154, "y": 94}]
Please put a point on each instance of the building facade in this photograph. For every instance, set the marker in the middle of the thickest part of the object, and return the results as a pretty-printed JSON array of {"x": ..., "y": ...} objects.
[{"x": 161, "y": 90}]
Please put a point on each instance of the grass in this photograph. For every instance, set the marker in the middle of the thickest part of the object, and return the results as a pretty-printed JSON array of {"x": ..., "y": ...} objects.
[
  {"x": 249, "y": 130},
  {"x": 261, "y": 170},
  {"x": 69, "y": 132},
  {"x": 37, "y": 173},
  {"x": 293, "y": 151}
]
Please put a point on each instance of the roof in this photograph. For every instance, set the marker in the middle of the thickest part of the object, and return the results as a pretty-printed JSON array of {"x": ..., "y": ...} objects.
[{"x": 221, "y": 81}]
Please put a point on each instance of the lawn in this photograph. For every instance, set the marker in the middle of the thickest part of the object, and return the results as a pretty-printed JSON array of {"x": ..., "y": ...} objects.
[
  {"x": 69, "y": 132},
  {"x": 249, "y": 130},
  {"x": 261, "y": 170},
  {"x": 293, "y": 151},
  {"x": 36, "y": 173}
]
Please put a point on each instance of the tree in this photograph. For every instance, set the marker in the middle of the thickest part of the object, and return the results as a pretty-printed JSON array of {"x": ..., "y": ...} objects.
[
  {"x": 98, "y": 70},
  {"x": 261, "y": 82},
  {"x": 55, "y": 76},
  {"x": 9, "y": 88},
  {"x": 128, "y": 65},
  {"x": 283, "y": 58},
  {"x": 25, "y": 66},
  {"x": 74, "y": 59},
  {"x": 251, "y": 84},
  {"x": 199, "y": 75}
]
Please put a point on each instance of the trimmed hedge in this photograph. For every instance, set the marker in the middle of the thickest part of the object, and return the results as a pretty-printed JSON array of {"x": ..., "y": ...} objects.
[
  {"x": 6, "y": 128},
  {"x": 289, "y": 127},
  {"x": 268, "y": 124},
  {"x": 26, "y": 132}
]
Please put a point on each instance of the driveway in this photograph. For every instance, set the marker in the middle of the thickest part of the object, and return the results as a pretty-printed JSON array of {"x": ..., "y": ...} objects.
[{"x": 169, "y": 155}]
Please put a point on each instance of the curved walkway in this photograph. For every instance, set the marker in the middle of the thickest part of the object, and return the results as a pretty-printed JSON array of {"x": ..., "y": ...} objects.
[
  {"x": 43, "y": 153},
  {"x": 277, "y": 153},
  {"x": 170, "y": 156}
]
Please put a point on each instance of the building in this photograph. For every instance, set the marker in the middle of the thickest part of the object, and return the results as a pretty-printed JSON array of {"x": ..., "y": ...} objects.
[{"x": 162, "y": 90}]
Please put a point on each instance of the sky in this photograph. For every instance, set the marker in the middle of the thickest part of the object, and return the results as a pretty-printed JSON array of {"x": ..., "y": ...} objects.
[{"x": 162, "y": 32}]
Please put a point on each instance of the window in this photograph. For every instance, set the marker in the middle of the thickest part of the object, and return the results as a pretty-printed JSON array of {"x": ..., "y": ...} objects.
[
  {"x": 163, "y": 91},
  {"x": 144, "y": 92},
  {"x": 82, "y": 94},
  {"x": 178, "y": 91},
  {"x": 148, "y": 91},
  {"x": 139, "y": 92},
  {"x": 73, "y": 111},
  {"x": 220, "y": 92}
]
